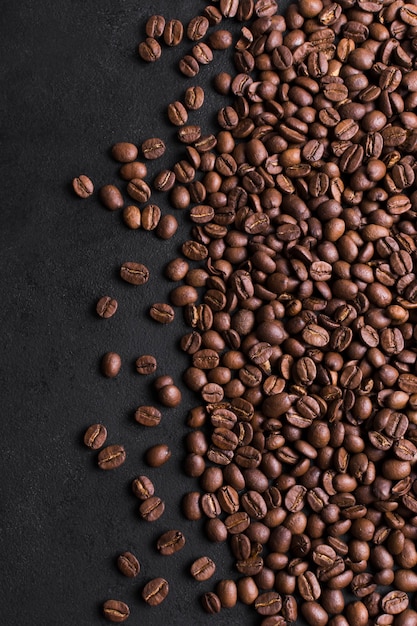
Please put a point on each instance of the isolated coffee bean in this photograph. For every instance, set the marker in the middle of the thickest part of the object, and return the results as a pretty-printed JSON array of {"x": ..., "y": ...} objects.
[
  {"x": 150, "y": 50},
  {"x": 116, "y": 611},
  {"x": 211, "y": 603},
  {"x": 134, "y": 273},
  {"x": 128, "y": 564},
  {"x": 152, "y": 508},
  {"x": 194, "y": 98},
  {"x": 155, "y": 26},
  {"x": 155, "y": 591},
  {"x": 111, "y": 197},
  {"x": 111, "y": 364},
  {"x": 83, "y": 186},
  {"x": 148, "y": 416},
  {"x": 143, "y": 487},
  {"x": 203, "y": 568},
  {"x": 95, "y": 436},
  {"x": 146, "y": 364},
  {"x": 111, "y": 457},
  {"x": 158, "y": 455},
  {"x": 162, "y": 313},
  {"x": 153, "y": 148},
  {"x": 106, "y": 307},
  {"x": 170, "y": 542},
  {"x": 124, "y": 152}
]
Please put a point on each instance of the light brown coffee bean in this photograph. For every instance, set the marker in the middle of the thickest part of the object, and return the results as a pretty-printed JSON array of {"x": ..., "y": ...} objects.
[
  {"x": 134, "y": 273},
  {"x": 95, "y": 436},
  {"x": 155, "y": 591},
  {"x": 111, "y": 457},
  {"x": 116, "y": 611}
]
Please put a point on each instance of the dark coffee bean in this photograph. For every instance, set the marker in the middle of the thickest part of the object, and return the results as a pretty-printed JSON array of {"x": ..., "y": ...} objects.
[
  {"x": 169, "y": 395},
  {"x": 164, "y": 180},
  {"x": 237, "y": 522},
  {"x": 197, "y": 27},
  {"x": 128, "y": 564},
  {"x": 268, "y": 603},
  {"x": 136, "y": 169},
  {"x": 220, "y": 39},
  {"x": 395, "y": 602},
  {"x": 134, "y": 273},
  {"x": 170, "y": 542},
  {"x": 83, "y": 186},
  {"x": 138, "y": 189},
  {"x": 155, "y": 26},
  {"x": 143, "y": 487},
  {"x": 152, "y": 508},
  {"x": 149, "y": 50},
  {"x": 203, "y": 568},
  {"x": 116, "y": 611},
  {"x": 146, "y": 364},
  {"x": 188, "y": 65},
  {"x": 162, "y": 313},
  {"x": 111, "y": 457},
  {"x": 151, "y": 215},
  {"x": 111, "y": 197},
  {"x": 153, "y": 148},
  {"x": 95, "y": 436},
  {"x": 106, "y": 307},
  {"x": 211, "y": 602},
  {"x": 210, "y": 505},
  {"x": 202, "y": 53},
  {"x": 194, "y": 98},
  {"x": 173, "y": 32},
  {"x": 124, "y": 152},
  {"x": 111, "y": 364},
  {"x": 158, "y": 455},
  {"x": 177, "y": 113},
  {"x": 194, "y": 251},
  {"x": 155, "y": 591},
  {"x": 167, "y": 227},
  {"x": 148, "y": 416}
]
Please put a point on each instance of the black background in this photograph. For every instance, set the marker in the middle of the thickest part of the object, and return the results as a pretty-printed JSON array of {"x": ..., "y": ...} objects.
[{"x": 72, "y": 85}]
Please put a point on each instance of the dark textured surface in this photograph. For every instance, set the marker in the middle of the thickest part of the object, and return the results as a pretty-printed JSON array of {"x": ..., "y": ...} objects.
[{"x": 72, "y": 85}]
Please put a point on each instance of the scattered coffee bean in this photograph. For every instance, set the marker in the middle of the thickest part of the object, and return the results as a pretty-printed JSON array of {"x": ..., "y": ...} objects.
[
  {"x": 111, "y": 457},
  {"x": 124, "y": 152},
  {"x": 83, "y": 186},
  {"x": 146, "y": 364},
  {"x": 153, "y": 148},
  {"x": 143, "y": 487},
  {"x": 155, "y": 591},
  {"x": 128, "y": 564},
  {"x": 150, "y": 50},
  {"x": 134, "y": 273},
  {"x": 111, "y": 197},
  {"x": 158, "y": 455},
  {"x": 203, "y": 568},
  {"x": 116, "y": 611},
  {"x": 155, "y": 26},
  {"x": 152, "y": 508},
  {"x": 95, "y": 436},
  {"x": 162, "y": 313},
  {"x": 170, "y": 542},
  {"x": 111, "y": 364},
  {"x": 106, "y": 307},
  {"x": 148, "y": 416}
]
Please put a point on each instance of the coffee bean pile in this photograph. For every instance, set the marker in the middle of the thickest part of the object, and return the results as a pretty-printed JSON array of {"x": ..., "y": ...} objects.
[{"x": 298, "y": 284}]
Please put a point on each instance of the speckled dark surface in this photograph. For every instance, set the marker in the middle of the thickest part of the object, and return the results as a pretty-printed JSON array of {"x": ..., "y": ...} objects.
[{"x": 72, "y": 85}]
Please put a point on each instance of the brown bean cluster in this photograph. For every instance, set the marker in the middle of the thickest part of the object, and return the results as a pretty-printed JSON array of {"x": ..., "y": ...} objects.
[{"x": 298, "y": 284}]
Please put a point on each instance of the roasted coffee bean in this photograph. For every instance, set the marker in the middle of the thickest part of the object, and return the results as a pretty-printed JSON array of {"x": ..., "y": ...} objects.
[
  {"x": 83, "y": 186},
  {"x": 153, "y": 148},
  {"x": 203, "y": 568},
  {"x": 211, "y": 603},
  {"x": 155, "y": 26},
  {"x": 150, "y": 50},
  {"x": 146, "y": 364},
  {"x": 194, "y": 98},
  {"x": 173, "y": 32},
  {"x": 111, "y": 457},
  {"x": 111, "y": 364},
  {"x": 177, "y": 113},
  {"x": 155, "y": 591},
  {"x": 162, "y": 313},
  {"x": 132, "y": 217},
  {"x": 116, "y": 611},
  {"x": 148, "y": 416},
  {"x": 268, "y": 603},
  {"x": 128, "y": 564},
  {"x": 152, "y": 508},
  {"x": 170, "y": 542},
  {"x": 124, "y": 152},
  {"x": 158, "y": 455},
  {"x": 106, "y": 307},
  {"x": 95, "y": 436},
  {"x": 111, "y": 197},
  {"x": 134, "y": 273},
  {"x": 143, "y": 487},
  {"x": 151, "y": 215},
  {"x": 197, "y": 27}
]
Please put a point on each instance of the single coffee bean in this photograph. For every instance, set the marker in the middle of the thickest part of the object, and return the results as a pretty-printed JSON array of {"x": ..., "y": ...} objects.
[
  {"x": 143, "y": 487},
  {"x": 173, "y": 32},
  {"x": 203, "y": 568},
  {"x": 197, "y": 27},
  {"x": 155, "y": 591},
  {"x": 83, "y": 186},
  {"x": 124, "y": 152},
  {"x": 132, "y": 217},
  {"x": 146, "y": 364},
  {"x": 170, "y": 396},
  {"x": 150, "y": 50},
  {"x": 111, "y": 364},
  {"x": 170, "y": 542},
  {"x": 148, "y": 416},
  {"x": 95, "y": 436},
  {"x": 111, "y": 197},
  {"x": 194, "y": 98},
  {"x": 116, "y": 611},
  {"x": 211, "y": 603},
  {"x": 177, "y": 113},
  {"x": 106, "y": 307},
  {"x": 134, "y": 273},
  {"x": 188, "y": 65},
  {"x": 395, "y": 602},
  {"x": 128, "y": 564},
  {"x": 162, "y": 313},
  {"x": 153, "y": 148},
  {"x": 111, "y": 457},
  {"x": 158, "y": 455},
  {"x": 155, "y": 26},
  {"x": 136, "y": 169},
  {"x": 138, "y": 189},
  {"x": 152, "y": 508},
  {"x": 167, "y": 227}
]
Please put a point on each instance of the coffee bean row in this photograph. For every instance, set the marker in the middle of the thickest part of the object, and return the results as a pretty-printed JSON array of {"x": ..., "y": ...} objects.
[{"x": 302, "y": 310}]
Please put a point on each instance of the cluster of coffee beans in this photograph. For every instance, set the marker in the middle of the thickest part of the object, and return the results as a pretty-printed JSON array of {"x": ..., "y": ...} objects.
[{"x": 299, "y": 286}]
